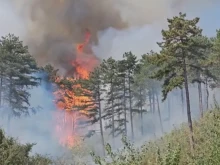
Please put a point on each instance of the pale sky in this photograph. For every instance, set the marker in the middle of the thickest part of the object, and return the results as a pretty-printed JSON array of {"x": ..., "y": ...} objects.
[
  {"x": 209, "y": 20},
  {"x": 138, "y": 41}
]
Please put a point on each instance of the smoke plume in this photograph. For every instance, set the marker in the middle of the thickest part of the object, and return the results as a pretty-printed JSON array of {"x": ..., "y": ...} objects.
[{"x": 54, "y": 27}]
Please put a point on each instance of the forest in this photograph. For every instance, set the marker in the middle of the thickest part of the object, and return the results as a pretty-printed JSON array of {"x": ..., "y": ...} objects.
[{"x": 116, "y": 93}]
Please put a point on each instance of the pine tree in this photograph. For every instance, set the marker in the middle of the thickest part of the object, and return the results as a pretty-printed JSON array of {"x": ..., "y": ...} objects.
[
  {"x": 153, "y": 86},
  {"x": 122, "y": 87},
  {"x": 199, "y": 69},
  {"x": 93, "y": 89},
  {"x": 176, "y": 58},
  {"x": 213, "y": 64},
  {"x": 113, "y": 108},
  {"x": 140, "y": 92},
  {"x": 130, "y": 66},
  {"x": 17, "y": 75},
  {"x": 51, "y": 72}
]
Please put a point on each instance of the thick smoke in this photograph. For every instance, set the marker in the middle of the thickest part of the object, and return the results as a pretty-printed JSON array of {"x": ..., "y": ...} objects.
[{"x": 54, "y": 27}]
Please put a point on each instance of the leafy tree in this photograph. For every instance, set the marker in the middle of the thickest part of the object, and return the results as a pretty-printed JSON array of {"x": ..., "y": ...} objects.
[{"x": 176, "y": 57}]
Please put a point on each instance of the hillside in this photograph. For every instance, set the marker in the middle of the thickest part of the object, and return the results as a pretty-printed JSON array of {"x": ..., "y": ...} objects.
[
  {"x": 171, "y": 149},
  {"x": 174, "y": 148}
]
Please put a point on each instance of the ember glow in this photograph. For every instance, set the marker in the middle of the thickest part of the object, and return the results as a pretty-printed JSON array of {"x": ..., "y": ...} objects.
[{"x": 69, "y": 113}]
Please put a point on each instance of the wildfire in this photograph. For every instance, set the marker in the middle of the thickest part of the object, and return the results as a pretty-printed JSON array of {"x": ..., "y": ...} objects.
[
  {"x": 80, "y": 47},
  {"x": 69, "y": 114}
]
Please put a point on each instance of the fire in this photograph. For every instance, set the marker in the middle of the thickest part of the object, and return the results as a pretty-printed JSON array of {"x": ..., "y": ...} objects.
[
  {"x": 80, "y": 47},
  {"x": 68, "y": 104}
]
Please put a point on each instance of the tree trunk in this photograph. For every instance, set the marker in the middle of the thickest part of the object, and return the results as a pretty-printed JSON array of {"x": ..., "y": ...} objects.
[
  {"x": 207, "y": 94},
  {"x": 9, "y": 125},
  {"x": 1, "y": 91},
  {"x": 200, "y": 99},
  {"x": 153, "y": 99},
  {"x": 142, "y": 123},
  {"x": 130, "y": 107},
  {"x": 113, "y": 121},
  {"x": 182, "y": 100},
  {"x": 168, "y": 100},
  {"x": 113, "y": 114},
  {"x": 100, "y": 123},
  {"x": 10, "y": 105},
  {"x": 150, "y": 101},
  {"x": 188, "y": 107},
  {"x": 158, "y": 107},
  {"x": 125, "y": 110}
]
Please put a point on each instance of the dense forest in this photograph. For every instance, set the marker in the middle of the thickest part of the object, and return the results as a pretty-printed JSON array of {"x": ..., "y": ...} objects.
[{"x": 117, "y": 91}]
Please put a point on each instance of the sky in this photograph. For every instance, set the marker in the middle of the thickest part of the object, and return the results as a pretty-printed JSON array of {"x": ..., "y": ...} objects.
[
  {"x": 133, "y": 39},
  {"x": 209, "y": 20},
  {"x": 11, "y": 23}
]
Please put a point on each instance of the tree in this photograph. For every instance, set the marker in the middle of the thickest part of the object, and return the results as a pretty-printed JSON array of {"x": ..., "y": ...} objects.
[
  {"x": 122, "y": 86},
  {"x": 153, "y": 86},
  {"x": 113, "y": 108},
  {"x": 213, "y": 63},
  {"x": 202, "y": 49},
  {"x": 176, "y": 58},
  {"x": 93, "y": 88},
  {"x": 51, "y": 72},
  {"x": 18, "y": 74},
  {"x": 140, "y": 92},
  {"x": 130, "y": 61},
  {"x": 215, "y": 57}
]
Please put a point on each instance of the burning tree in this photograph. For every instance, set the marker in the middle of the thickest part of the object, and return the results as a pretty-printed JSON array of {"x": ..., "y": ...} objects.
[{"x": 74, "y": 104}]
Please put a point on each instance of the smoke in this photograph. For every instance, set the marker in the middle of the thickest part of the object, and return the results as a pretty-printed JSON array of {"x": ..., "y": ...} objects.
[
  {"x": 37, "y": 128},
  {"x": 54, "y": 27}
]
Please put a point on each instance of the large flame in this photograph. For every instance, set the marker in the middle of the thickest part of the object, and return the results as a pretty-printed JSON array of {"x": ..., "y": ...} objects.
[{"x": 68, "y": 104}]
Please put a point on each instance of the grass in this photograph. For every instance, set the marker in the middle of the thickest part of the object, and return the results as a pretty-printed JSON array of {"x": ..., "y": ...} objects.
[{"x": 173, "y": 148}]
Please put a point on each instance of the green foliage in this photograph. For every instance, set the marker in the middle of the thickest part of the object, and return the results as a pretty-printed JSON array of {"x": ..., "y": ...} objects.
[
  {"x": 52, "y": 73},
  {"x": 177, "y": 52},
  {"x": 17, "y": 75},
  {"x": 113, "y": 103},
  {"x": 14, "y": 153},
  {"x": 214, "y": 59}
]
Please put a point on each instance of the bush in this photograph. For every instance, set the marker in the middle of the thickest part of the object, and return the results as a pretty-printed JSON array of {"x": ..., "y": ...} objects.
[{"x": 13, "y": 153}]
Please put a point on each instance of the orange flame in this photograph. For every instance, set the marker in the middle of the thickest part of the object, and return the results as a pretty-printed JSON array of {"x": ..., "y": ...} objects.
[
  {"x": 80, "y": 47},
  {"x": 67, "y": 129}
]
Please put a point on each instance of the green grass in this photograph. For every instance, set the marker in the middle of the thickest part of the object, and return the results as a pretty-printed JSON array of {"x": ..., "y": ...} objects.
[{"x": 174, "y": 148}]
